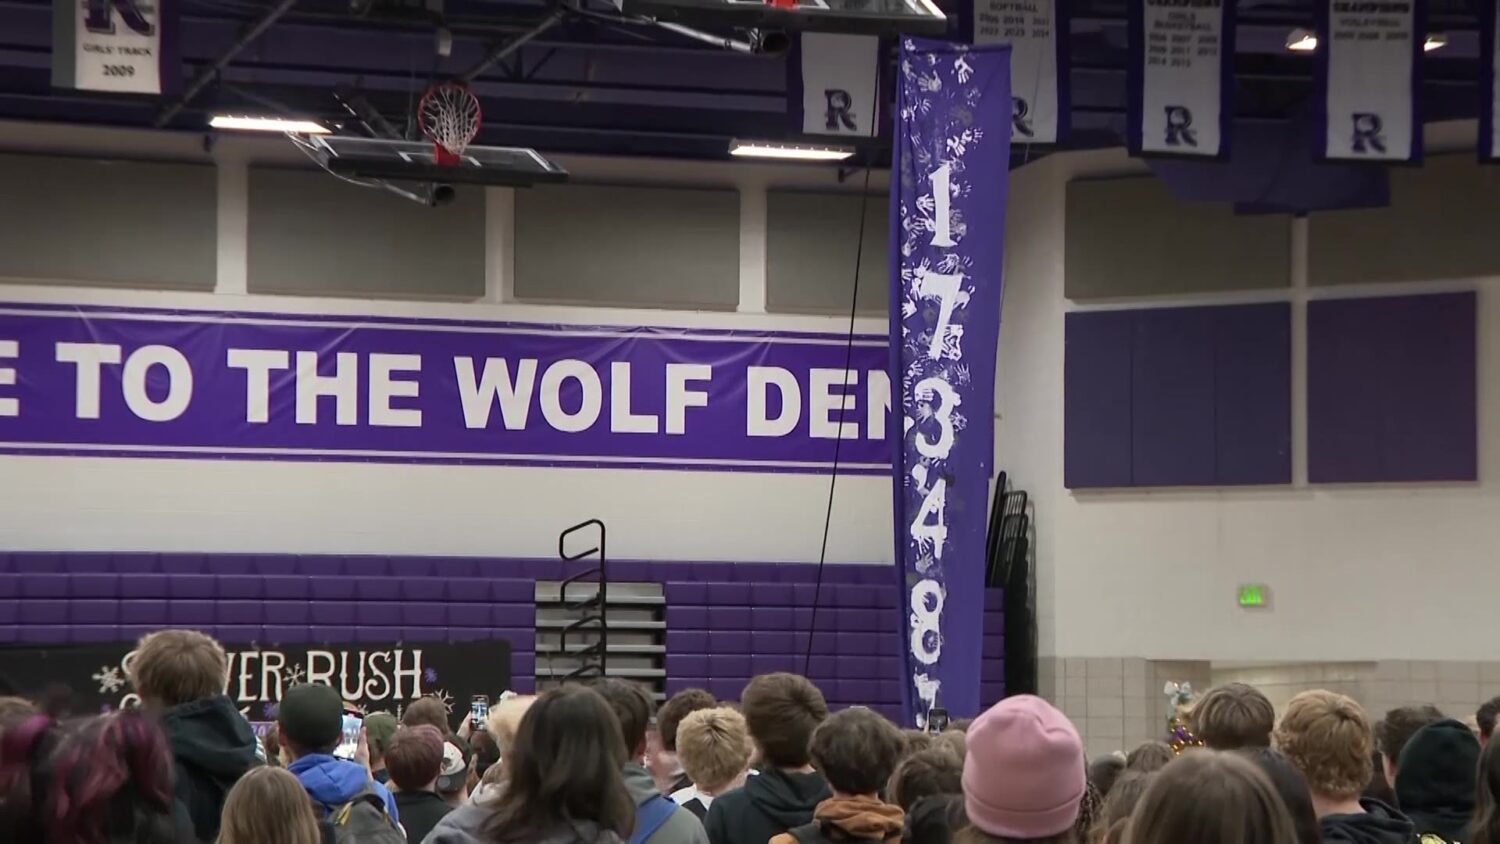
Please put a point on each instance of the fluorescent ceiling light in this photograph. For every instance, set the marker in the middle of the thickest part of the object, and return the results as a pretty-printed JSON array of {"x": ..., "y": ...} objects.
[
  {"x": 792, "y": 152},
  {"x": 249, "y": 123},
  {"x": 1304, "y": 41}
]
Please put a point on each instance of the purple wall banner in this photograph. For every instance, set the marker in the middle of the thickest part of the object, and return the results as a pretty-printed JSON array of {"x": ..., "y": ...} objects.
[
  {"x": 952, "y": 153},
  {"x": 1368, "y": 75},
  {"x": 1489, "y": 105},
  {"x": 1181, "y": 77},
  {"x": 198, "y": 384}
]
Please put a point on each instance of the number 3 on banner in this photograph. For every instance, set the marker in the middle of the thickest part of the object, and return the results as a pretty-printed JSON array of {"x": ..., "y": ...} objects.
[{"x": 941, "y": 390}]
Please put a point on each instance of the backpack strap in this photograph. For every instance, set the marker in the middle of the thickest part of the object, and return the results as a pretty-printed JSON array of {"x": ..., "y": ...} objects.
[
  {"x": 339, "y": 815},
  {"x": 650, "y": 816}
]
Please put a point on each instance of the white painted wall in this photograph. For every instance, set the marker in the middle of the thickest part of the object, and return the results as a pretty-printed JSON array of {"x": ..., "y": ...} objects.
[
  {"x": 1357, "y": 573},
  {"x": 104, "y": 504}
]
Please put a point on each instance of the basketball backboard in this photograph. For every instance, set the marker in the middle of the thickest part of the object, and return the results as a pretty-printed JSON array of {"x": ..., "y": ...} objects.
[
  {"x": 870, "y": 17},
  {"x": 375, "y": 158}
]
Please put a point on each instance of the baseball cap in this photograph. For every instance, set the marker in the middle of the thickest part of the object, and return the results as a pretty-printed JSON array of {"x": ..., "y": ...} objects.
[
  {"x": 454, "y": 772},
  {"x": 311, "y": 716},
  {"x": 379, "y": 727}
]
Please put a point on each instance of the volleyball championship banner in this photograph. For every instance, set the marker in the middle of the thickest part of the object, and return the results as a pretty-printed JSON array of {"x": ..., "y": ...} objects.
[
  {"x": 124, "y": 46},
  {"x": 1181, "y": 77},
  {"x": 1489, "y": 104},
  {"x": 952, "y": 158},
  {"x": 1368, "y": 75},
  {"x": 1037, "y": 32},
  {"x": 832, "y": 82},
  {"x": 191, "y": 384}
]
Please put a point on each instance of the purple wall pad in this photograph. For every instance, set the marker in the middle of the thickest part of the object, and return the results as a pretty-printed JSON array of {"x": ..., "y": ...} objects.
[
  {"x": 1392, "y": 389},
  {"x": 1178, "y": 397},
  {"x": 726, "y": 621}
]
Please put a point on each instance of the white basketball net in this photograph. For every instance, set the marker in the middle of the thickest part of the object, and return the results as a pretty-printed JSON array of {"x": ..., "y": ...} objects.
[{"x": 449, "y": 116}]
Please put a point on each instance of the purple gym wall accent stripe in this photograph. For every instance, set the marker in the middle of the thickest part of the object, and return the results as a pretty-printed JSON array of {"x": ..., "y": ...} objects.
[
  {"x": 726, "y": 620},
  {"x": 1177, "y": 397},
  {"x": 1392, "y": 389}
]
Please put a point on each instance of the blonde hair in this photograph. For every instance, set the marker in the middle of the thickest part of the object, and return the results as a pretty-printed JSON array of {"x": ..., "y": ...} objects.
[
  {"x": 1327, "y": 737},
  {"x": 505, "y": 718},
  {"x": 713, "y": 746},
  {"x": 173, "y": 667},
  {"x": 268, "y": 806}
]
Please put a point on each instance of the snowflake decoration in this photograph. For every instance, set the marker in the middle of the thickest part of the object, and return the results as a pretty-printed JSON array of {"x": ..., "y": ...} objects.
[
  {"x": 268, "y": 709},
  {"x": 429, "y": 675},
  {"x": 294, "y": 675},
  {"x": 110, "y": 679},
  {"x": 445, "y": 697}
]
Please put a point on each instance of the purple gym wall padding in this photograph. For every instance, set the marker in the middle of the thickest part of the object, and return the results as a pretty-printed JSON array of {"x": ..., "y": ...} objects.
[
  {"x": 726, "y": 621},
  {"x": 1178, "y": 397},
  {"x": 1392, "y": 389}
]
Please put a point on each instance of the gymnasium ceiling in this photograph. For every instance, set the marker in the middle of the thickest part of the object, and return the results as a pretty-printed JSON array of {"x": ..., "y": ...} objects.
[{"x": 601, "y": 85}]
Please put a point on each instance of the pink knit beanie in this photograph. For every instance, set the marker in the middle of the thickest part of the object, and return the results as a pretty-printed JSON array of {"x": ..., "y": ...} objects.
[{"x": 1024, "y": 773}]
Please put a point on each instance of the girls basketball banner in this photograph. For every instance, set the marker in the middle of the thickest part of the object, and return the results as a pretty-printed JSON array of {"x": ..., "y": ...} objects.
[
  {"x": 1037, "y": 32},
  {"x": 1489, "y": 105},
  {"x": 1181, "y": 77},
  {"x": 194, "y": 384},
  {"x": 125, "y": 46},
  {"x": 1368, "y": 75},
  {"x": 952, "y": 157}
]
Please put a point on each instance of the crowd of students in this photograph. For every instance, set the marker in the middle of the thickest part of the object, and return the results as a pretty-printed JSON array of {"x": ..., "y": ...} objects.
[{"x": 598, "y": 763}]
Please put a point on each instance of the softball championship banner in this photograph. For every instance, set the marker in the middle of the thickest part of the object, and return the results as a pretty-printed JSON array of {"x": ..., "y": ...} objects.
[
  {"x": 1036, "y": 31},
  {"x": 1489, "y": 106},
  {"x": 374, "y": 677},
  {"x": 833, "y": 82},
  {"x": 157, "y": 383},
  {"x": 952, "y": 156},
  {"x": 1181, "y": 73},
  {"x": 1368, "y": 78},
  {"x": 125, "y": 46}
]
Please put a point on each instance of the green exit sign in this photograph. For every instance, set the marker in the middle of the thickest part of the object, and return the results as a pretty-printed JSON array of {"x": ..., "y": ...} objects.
[{"x": 1254, "y": 595}]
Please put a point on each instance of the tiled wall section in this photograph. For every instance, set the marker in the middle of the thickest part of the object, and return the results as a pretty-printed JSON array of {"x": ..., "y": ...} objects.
[
  {"x": 726, "y": 620},
  {"x": 1119, "y": 703}
]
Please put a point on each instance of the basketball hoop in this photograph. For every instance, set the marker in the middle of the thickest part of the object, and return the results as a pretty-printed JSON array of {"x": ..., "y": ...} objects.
[{"x": 449, "y": 116}]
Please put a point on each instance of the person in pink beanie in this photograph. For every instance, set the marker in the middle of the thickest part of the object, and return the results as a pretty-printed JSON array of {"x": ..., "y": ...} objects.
[{"x": 1024, "y": 775}]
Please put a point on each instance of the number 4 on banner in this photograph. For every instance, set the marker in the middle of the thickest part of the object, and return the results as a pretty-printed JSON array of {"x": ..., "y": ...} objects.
[{"x": 932, "y": 505}]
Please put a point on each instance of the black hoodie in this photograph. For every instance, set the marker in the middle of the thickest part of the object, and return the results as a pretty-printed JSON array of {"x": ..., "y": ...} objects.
[
  {"x": 769, "y": 804},
  {"x": 1435, "y": 779},
  {"x": 1377, "y": 824},
  {"x": 212, "y": 747}
]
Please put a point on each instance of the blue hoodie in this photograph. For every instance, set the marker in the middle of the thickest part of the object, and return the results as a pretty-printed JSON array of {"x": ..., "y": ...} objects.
[{"x": 333, "y": 782}]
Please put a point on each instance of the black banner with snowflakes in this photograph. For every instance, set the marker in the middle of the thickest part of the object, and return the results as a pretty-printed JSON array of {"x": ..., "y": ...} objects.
[{"x": 370, "y": 676}]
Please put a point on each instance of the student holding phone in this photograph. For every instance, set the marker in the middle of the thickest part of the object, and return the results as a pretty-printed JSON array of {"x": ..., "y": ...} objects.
[{"x": 312, "y": 724}]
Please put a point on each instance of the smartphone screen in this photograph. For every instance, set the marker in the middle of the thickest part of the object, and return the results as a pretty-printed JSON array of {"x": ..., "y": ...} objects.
[
  {"x": 937, "y": 720},
  {"x": 349, "y": 741},
  {"x": 479, "y": 709}
]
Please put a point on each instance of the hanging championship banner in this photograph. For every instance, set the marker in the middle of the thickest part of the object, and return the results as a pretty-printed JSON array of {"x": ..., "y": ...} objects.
[
  {"x": 832, "y": 84},
  {"x": 125, "y": 46},
  {"x": 1489, "y": 105},
  {"x": 952, "y": 156},
  {"x": 1037, "y": 32},
  {"x": 1181, "y": 77},
  {"x": 1368, "y": 76}
]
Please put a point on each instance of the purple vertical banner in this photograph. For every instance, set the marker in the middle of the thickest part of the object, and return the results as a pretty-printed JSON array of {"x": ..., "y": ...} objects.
[{"x": 952, "y": 158}]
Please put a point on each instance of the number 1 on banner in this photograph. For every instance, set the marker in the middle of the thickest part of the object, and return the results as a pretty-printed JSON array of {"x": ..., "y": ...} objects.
[{"x": 942, "y": 226}]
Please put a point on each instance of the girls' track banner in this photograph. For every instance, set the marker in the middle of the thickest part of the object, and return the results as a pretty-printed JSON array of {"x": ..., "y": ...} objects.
[
  {"x": 952, "y": 152},
  {"x": 198, "y": 384},
  {"x": 1181, "y": 76},
  {"x": 1368, "y": 74}
]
